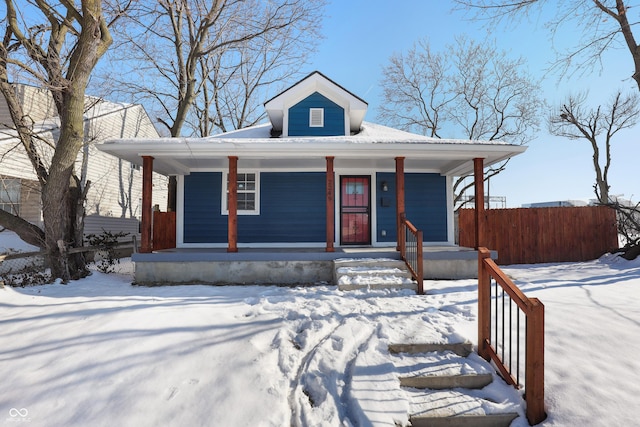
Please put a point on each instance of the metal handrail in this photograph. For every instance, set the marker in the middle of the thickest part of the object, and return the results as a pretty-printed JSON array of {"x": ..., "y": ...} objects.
[
  {"x": 410, "y": 244},
  {"x": 499, "y": 327}
]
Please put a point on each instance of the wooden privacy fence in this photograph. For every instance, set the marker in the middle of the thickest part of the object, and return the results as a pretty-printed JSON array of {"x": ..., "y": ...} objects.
[
  {"x": 536, "y": 235},
  {"x": 164, "y": 230}
]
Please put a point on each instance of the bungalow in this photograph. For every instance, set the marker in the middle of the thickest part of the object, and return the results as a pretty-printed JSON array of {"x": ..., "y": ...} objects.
[{"x": 315, "y": 176}]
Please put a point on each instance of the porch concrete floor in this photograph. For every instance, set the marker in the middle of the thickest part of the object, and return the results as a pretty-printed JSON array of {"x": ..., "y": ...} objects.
[{"x": 440, "y": 252}]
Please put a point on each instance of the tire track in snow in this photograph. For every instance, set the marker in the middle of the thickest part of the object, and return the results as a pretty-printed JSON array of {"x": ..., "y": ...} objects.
[
  {"x": 324, "y": 373},
  {"x": 348, "y": 383},
  {"x": 296, "y": 382}
]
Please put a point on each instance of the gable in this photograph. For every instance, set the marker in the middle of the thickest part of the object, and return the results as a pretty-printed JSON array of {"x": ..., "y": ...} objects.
[
  {"x": 278, "y": 107},
  {"x": 316, "y": 115}
]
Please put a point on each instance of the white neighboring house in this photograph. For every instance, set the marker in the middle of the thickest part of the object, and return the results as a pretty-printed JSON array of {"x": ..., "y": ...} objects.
[{"x": 115, "y": 184}]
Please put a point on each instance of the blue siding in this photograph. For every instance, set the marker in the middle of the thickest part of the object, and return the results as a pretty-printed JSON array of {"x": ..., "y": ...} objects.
[
  {"x": 203, "y": 222},
  {"x": 292, "y": 209},
  {"x": 299, "y": 117},
  {"x": 425, "y": 203}
]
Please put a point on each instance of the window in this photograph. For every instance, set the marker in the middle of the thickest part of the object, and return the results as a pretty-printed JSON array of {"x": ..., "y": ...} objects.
[
  {"x": 316, "y": 117},
  {"x": 356, "y": 188},
  {"x": 248, "y": 185},
  {"x": 10, "y": 195}
]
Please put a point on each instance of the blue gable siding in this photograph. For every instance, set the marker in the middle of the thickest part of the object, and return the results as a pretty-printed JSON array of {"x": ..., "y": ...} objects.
[
  {"x": 292, "y": 209},
  {"x": 203, "y": 222},
  {"x": 425, "y": 203},
  {"x": 299, "y": 117}
]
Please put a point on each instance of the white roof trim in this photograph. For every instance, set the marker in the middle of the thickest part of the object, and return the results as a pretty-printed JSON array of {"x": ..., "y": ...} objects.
[{"x": 375, "y": 142}]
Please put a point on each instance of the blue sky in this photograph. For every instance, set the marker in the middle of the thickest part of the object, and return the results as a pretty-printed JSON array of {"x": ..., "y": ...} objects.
[{"x": 360, "y": 36}]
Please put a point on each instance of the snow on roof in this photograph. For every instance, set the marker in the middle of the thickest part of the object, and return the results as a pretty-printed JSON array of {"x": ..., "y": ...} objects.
[
  {"x": 96, "y": 107},
  {"x": 374, "y": 142},
  {"x": 372, "y": 133},
  {"x": 40, "y": 128}
]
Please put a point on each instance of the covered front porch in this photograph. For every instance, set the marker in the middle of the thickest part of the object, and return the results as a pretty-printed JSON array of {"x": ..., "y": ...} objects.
[
  {"x": 298, "y": 264},
  {"x": 300, "y": 199}
]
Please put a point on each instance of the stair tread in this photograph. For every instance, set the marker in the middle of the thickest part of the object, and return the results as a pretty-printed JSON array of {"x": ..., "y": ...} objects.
[
  {"x": 367, "y": 261},
  {"x": 453, "y": 403},
  {"x": 445, "y": 363},
  {"x": 352, "y": 287},
  {"x": 370, "y": 270},
  {"x": 460, "y": 348},
  {"x": 390, "y": 278},
  {"x": 441, "y": 382},
  {"x": 487, "y": 420}
]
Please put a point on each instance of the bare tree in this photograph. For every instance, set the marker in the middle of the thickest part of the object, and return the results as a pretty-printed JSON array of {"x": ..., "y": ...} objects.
[
  {"x": 177, "y": 47},
  {"x": 469, "y": 90},
  {"x": 604, "y": 25},
  {"x": 58, "y": 47},
  {"x": 575, "y": 120},
  {"x": 201, "y": 53},
  {"x": 240, "y": 79},
  {"x": 628, "y": 226}
]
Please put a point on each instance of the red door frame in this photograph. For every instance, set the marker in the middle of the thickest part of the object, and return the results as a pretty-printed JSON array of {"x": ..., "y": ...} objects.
[{"x": 355, "y": 210}]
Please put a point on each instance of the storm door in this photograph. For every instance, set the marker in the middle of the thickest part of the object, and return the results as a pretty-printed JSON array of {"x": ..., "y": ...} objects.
[{"x": 355, "y": 207}]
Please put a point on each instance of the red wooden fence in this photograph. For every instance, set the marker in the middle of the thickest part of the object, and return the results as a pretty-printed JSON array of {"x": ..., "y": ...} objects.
[
  {"x": 164, "y": 230},
  {"x": 536, "y": 235}
]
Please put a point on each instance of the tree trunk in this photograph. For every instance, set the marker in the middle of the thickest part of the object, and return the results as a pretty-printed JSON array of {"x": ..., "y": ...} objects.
[
  {"x": 75, "y": 37},
  {"x": 61, "y": 193}
]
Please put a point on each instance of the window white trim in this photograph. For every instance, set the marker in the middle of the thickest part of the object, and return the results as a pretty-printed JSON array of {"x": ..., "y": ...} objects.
[
  {"x": 256, "y": 191},
  {"x": 316, "y": 117},
  {"x": 10, "y": 194}
]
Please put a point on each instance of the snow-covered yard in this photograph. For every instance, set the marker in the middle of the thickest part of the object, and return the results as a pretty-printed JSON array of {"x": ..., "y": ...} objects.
[{"x": 101, "y": 352}]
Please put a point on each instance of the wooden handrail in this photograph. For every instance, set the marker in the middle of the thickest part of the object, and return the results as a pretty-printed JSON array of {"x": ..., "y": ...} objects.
[
  {"x": 412, "y": 256},
  {"x": 491, "y": 348},
  {"x": 510, "y": 288}
]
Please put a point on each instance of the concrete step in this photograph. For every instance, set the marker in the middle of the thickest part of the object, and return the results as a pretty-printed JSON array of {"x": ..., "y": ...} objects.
[
  {"x": 447, "y": 384},
  {"x": 487, "y": 420},
  {"x": 456, "y": 407},
  {"x": 440, "y": 382},
  {"x": 369, "y": 262},
  {"x": 463, "y": 349},
  {"x": 373, "y": 271},
  {"x": 350, "y": 283}
]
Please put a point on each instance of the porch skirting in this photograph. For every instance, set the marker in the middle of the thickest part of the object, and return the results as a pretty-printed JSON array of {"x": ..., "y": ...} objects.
[
  {"x": 233, "y": 272},
  {"x": 282, "y": 266}
]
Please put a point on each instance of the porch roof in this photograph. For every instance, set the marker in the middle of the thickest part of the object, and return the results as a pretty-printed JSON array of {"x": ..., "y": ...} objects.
[{"x": 374, "y": 146}]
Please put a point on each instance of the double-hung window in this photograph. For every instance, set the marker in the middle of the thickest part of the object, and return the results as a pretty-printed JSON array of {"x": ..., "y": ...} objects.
[
  {"x": 248, "y": 188},
  {"x": 10, "y": 195}
]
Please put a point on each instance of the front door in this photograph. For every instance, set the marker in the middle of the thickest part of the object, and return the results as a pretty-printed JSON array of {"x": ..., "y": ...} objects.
[{"x": 355, "y": 197}]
